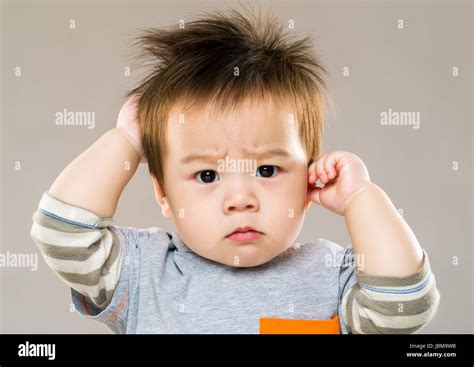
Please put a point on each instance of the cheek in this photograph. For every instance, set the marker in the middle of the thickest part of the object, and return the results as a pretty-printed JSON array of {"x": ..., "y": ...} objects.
[
  {"x": 193, "y": 215},
  {"x": 290, "y": 191},
  {"x": 187, "y": 192},
  {"x": 196, "y": 231},
  {"x": 285, "y": 204}
]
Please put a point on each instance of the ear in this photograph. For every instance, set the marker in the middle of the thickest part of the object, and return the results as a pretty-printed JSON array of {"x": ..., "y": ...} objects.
[
  {"x": 308, "y": 198},
  {"x": 161, "y": 199}
]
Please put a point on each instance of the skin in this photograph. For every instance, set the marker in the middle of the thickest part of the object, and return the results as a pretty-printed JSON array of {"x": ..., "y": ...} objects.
[
  {"x": 378, "y": 233},
  {"x": 275, "y": 205},
  {"x": 210, "y": 211}
]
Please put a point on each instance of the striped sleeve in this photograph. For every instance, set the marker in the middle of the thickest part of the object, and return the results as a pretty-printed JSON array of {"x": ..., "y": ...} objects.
[
  {"x": 79, "y": 246},
  {"x": 391, "y": 305}
]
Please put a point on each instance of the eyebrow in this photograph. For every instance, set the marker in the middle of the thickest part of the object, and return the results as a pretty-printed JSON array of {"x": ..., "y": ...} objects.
[{"x": 213, "y": 157}]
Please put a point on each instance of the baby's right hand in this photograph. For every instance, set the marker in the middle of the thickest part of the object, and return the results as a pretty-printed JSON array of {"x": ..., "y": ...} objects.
[{"x": 128, "y": 125}]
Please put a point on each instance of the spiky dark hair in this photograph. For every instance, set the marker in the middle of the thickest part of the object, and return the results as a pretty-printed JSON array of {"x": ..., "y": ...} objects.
[{"x": 197, "y": 64}]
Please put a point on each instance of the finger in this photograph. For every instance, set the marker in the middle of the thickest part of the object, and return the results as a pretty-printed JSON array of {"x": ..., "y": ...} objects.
[
  {"x": 330, "y": 165},
  {"x": 128, "y": 113},
  {"x": 312, "y": 173},
  {"x": 320, "y": 168},
  {"x": 315, "y": 195}
]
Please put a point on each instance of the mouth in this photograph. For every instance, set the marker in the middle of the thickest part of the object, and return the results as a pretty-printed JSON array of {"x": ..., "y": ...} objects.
[{"x": 244, "y": 234}]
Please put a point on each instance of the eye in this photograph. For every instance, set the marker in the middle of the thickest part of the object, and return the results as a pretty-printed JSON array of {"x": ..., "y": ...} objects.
[
  {"x": 206, "y": 176},
  {"x": 267, "y": 171}
]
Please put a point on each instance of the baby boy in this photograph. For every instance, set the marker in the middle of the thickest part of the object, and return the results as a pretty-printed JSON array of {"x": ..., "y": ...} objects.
[{"x": 229, "y": 122}]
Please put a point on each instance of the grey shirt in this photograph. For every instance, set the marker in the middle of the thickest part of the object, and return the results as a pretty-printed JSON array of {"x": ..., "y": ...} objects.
[{"x": 148, "y": 281}]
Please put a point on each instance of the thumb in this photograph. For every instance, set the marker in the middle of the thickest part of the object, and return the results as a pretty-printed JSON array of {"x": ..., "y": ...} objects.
[{"x": 315, "y": 195}]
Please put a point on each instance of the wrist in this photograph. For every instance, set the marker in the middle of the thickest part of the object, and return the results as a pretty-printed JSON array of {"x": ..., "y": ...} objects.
[
  {"x": 351, "y": 199},
  {"x": 134, "y": 141},
  {"x": 130, "y": 141}
]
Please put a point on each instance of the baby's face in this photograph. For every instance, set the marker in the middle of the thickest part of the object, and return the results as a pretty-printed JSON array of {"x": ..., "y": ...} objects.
[{"x": 237, "y": 184}]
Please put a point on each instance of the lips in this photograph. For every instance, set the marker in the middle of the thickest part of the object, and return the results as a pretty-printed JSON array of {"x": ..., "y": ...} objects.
[{"x": 244, "y": 234}]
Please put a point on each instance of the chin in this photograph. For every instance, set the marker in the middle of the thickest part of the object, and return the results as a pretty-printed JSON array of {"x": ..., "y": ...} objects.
[
  {"x": 251, "y": 264},
  {"x": 252, "y": 258}
]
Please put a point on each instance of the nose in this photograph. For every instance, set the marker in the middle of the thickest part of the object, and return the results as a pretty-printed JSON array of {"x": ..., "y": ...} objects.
[{"x": 240, "y": 200}]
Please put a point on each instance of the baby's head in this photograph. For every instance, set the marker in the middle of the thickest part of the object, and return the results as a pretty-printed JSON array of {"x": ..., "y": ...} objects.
[{"x": 231, "y": 117}]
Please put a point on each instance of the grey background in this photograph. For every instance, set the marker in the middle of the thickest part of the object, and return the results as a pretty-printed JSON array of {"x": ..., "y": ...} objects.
[{"x": 406, "y": 70}]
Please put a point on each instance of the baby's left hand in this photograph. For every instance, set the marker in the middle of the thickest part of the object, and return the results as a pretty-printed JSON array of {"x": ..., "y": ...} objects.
[{"x": 343, "y": 174}]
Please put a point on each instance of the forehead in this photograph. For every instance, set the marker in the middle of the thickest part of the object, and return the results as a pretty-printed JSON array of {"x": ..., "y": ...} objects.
[{"x": 250, "y": 125}]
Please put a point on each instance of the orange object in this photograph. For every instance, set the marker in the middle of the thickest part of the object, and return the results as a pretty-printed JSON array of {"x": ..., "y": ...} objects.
[{"x": 288, "y": 326}]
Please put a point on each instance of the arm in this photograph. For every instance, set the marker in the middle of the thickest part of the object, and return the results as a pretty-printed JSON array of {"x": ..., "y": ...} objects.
[
  {"x": 381, "y": 235},
  {"x": 395, "y": 290},
  {"x": 72, "y": 225},
  {"x": 97, "y": 177}
]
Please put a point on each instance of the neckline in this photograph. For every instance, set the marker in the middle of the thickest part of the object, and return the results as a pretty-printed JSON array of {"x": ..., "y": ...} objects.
[{"x": 177, "y": 241}]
